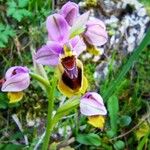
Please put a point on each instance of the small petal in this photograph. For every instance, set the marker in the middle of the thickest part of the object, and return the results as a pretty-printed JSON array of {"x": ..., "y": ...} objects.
[
  {"x": 78, "y": 45},
  {"x": 58, "y": 28},
  {"x": 16, "y": 83},
  {"x": 95, "y": 33},
  {"x": 17, "y": 69},
  {"x": 92, "y": 104},
  {"x": 97, "y": 121},
  {"x": 79, "y": 25},
  {"x": 15, "y": 96},
  {"x": 48, "y": 54},
  {"x": 94, "y": 21},
  {"x": 70, "y": 12}
]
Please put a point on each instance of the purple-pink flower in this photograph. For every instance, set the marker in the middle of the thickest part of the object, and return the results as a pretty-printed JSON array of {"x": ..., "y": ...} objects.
[
  {"x": 95, "y": 33},
  {"x": 58, "y": 35},
  {"x": 69, "y": 28},
  {"x": 16, "y": 79},
  {"x": 92, "y": 104}
]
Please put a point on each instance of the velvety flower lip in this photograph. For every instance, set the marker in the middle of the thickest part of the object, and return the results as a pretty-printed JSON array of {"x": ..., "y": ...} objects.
[
  {"x": 58, "y": 28},
  {"x": 92, "y": 104},
  {"x": 70, "y": 11},
  {"x": 70, "y": 87},
  {"x": 16, "y": 79}
]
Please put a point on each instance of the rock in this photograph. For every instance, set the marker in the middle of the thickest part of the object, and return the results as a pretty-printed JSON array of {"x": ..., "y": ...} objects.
[{"x": 141, "y": 12}]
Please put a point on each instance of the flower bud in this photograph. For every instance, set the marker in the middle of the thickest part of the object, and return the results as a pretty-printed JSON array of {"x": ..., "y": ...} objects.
[
  {"x": 92, "y": 104},
  {"x": 95, "y": 33},
  {"x": 16, "y": 79}
]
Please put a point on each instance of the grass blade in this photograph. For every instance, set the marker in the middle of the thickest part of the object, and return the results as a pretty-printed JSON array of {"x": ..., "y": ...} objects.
[{"x": 126, "y": 67}]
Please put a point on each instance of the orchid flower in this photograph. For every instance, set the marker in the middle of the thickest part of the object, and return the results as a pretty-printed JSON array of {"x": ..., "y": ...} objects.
[
  {"x": 17, "y": 79},
  {"x": 62, "y": 51},
  {"x": 92, "y": 105},
  {"x": 69, "y": 34},
  {"x": 72, "y": 79},
  {"x": 93, "y": 31}
]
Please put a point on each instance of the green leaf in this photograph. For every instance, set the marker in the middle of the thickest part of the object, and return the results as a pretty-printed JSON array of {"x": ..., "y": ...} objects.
[
  {"x": 3, "y": 101},
  {"x": 126, "y": 67},
  {"x": 11, "y": 4},
  {"x": 11, "y": 11},
  {"x": 143, "y": 141},
  {"x": 65, "y": 109},
  {"x": 16, "y": 135},
  {"x": 89, "y": 139},
  {"x": 23, "y": 3},
  {"x": 125, "y": 121},
  {"x": 113, "y": 108},
  {"x": 110, "y": 133},
  {"x": 11, "y": 147},
  {"x": 18, "y": 12},
  {"x": 119, "y": 145},
  {"x": 6, "y": 32}
]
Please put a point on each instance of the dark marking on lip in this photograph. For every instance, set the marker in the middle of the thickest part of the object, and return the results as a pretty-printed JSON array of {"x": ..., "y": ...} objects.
[
  {"x": 68, "y": 62},
  {"x": 74, "y": 83}
]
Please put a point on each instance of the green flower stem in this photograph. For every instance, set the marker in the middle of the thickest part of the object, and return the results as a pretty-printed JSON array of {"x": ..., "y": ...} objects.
[
  {"x": 50, "y": 90},
  {"x": 50, "y": 94},
  {"x": 39, "y": 78}
]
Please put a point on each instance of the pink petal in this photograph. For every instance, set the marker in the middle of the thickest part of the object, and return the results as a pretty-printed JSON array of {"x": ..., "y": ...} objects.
[
  {"x": 96, "y": 36},
  {"x": 80, "y": 24},
  {"x": 70, "y": 12},
  {"x": 16, "y": 83},
  {"x": 95, "y": 21},
  {"x": 92, "y": 104},
  {"x": 17, "y": 69},
  {"x": 58, "y": 28},
  {"x": 46, "y": 56},
  {"x": 78, "y": 45},
  {"x": 95, "y": 33}
]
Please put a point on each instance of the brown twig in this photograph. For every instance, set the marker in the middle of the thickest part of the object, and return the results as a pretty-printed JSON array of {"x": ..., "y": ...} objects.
[
  {"x": 65, "y": 143},
  {"x": 2, "y": 8},
  {"x": 135, "y": 127}
]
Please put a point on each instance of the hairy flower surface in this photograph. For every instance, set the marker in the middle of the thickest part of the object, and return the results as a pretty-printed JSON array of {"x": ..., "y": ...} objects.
[{"x": 92, "y": 105}]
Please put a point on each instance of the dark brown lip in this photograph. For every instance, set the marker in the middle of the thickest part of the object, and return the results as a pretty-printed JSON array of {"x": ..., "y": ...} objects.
[
  {"x": 74, "y": 83},
  {"x": 69, "y": 62}
]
